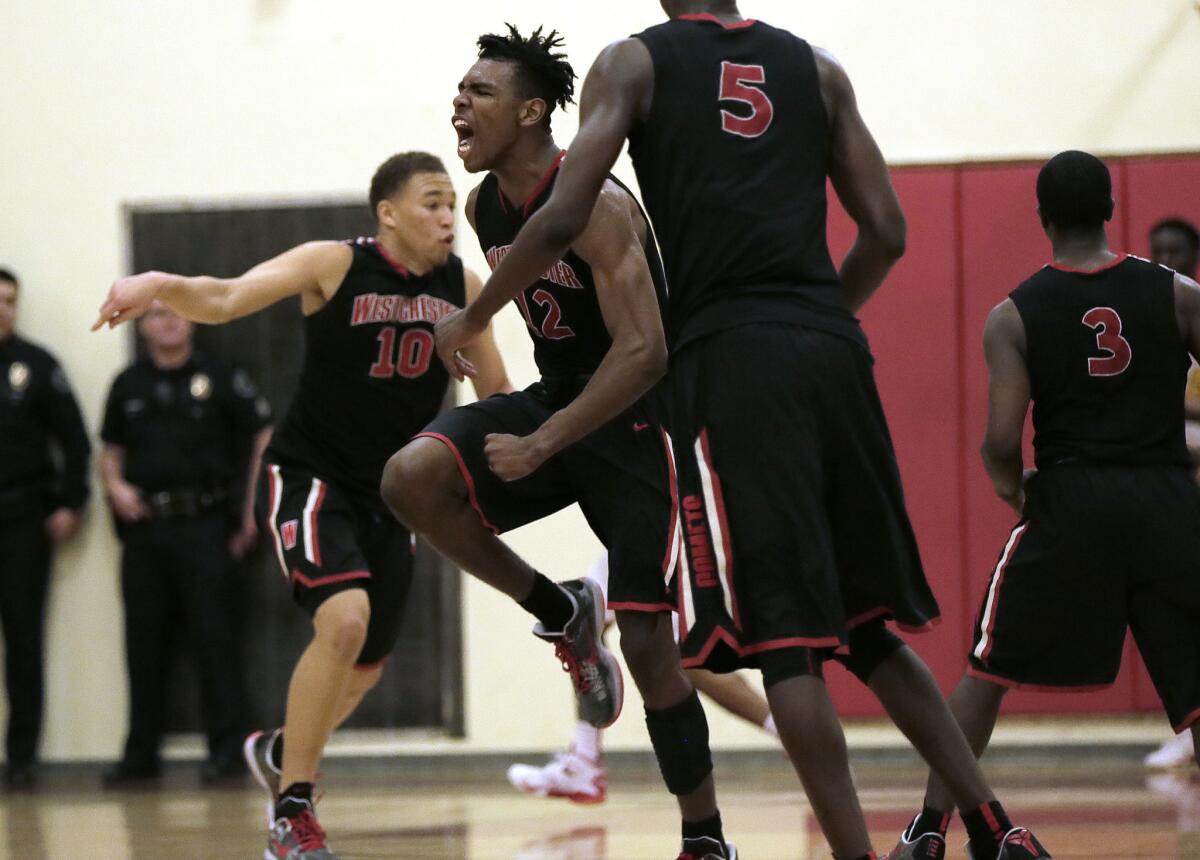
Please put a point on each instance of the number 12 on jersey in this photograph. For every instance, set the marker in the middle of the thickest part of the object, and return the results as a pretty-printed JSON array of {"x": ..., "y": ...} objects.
[{"x": 743, "y": 84}]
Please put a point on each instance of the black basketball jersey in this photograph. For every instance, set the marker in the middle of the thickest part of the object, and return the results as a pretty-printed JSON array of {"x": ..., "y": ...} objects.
[
  {"x": 561, "y": 310},
  {"x": 732, "y": 162},
  {"x": 371, "y": 378},
  {"x": 1107, "y": 363}
]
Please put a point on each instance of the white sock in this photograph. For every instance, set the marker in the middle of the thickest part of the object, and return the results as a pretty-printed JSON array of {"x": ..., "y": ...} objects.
[
  {"x": 587, "y": 742},
  {"x": 768, "y": 726}
]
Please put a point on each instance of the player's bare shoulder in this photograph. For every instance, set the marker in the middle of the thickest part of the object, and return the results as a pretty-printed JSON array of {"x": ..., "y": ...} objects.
[
  {"x": 469, "y": 206},
  {"x": 1004, "y": 327},
  {"x": 835, "y": 83},
  {"x": 615, "y": 220},
  {"x": 1187, "y": 309}
]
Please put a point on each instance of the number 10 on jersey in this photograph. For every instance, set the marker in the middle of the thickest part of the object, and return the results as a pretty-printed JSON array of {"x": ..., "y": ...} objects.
[{"x": 410, "y": 360}]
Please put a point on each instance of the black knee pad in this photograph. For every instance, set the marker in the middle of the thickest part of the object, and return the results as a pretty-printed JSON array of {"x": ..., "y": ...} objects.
[
  {"x": 679, "y": 735},
  {"x": 870, "y": 645},
  {"x": 782, "y": 663}
]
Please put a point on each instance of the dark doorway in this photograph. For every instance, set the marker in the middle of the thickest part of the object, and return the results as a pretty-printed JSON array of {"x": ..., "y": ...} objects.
[{"x": 422, "y": 683}]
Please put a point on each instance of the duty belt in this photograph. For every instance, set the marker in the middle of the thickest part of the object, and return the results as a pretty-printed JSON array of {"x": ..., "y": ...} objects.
[{"x": 184, "y": 503}]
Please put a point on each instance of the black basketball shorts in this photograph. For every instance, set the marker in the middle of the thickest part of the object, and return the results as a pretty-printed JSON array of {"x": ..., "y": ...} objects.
[
  {"x": 793, "y": 513},
  {"x": 327, "y": 541},
  {"x": 621, "y": 476},
  {"x": 1100, "y": 549}
]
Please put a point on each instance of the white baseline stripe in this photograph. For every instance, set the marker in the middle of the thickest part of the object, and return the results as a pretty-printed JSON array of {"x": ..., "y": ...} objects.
[
  {"x": 990, "y": 606},
  {"x": 714, "y": 527}
]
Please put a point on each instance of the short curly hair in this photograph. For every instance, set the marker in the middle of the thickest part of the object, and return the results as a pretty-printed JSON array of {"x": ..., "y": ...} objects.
[{"x": 542, "y": 71}]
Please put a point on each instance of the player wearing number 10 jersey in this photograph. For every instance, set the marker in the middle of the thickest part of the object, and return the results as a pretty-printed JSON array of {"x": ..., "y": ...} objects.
[
  {"x": 1109, "y": 530},
  {"x": 369, "y": 381}
]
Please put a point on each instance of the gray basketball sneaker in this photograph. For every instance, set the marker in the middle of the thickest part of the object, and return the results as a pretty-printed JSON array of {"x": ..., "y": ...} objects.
[
  {"x": 257, "y": 751},
  {"x": 918, "y": 846},
  {"x": 297, "y": 837},
  {"x": 599, "y": 687}
]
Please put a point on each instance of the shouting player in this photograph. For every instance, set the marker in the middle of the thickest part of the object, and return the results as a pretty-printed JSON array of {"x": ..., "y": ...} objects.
[
  {"x": 1109, "y": 528},
  {"x": 369, "y": 381},
  {"x": 797, "y": 537},
  {"x": 587, "y": 432}
]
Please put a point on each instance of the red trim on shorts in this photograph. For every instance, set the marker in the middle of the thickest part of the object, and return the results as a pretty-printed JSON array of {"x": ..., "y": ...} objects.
[
  {"x": 889, "y": 613},
  {"x": 1035, "y": 688},
  {"x": 1121, "y": 258},
  {"x": 542, "y": 183},
  {"x": 466, "y": 476},
  {"x": 723, "y": 521},
  {"x": 682, "y": 572},
  {"x": 673, "y": 483},
  {"x": 1010, "y": 549},
  {"x": 311, "y": 525},
  {"x": 1188, "y": 721},
  {"x": 920, "y": 628},
  {"x": 723, "y": 635},
  {"x": 633, "y": 606},
  {"x": 710, "y": 17},
  {"x": 368, "y": 667},
  {"x": 331, "y": 579},
  {"x": 870, "y": 615}
]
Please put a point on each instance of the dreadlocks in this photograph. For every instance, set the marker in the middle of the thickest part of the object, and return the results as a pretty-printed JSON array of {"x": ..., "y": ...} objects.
[{"x": 542, "y": 72}]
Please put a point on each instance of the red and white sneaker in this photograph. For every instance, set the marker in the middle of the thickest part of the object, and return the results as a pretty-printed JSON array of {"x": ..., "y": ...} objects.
[
  {"x": 297, "y": 836},
  {"x": 567, "y": 775},
  {"x": 1176, "y": 753},
  {"x": 1017, "y": 844}
]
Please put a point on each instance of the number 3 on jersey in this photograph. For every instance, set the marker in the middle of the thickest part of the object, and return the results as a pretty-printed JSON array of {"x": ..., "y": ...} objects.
[
  {"x": 410, "y": 360},
  {"x": 1107, "y": 324},
  {"x": 738, "y": 84}
]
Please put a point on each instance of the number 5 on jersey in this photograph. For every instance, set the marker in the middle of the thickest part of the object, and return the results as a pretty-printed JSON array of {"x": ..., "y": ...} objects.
[
  {"x": 742, "y": 84},
  {"x": 1107, "y": 324}
]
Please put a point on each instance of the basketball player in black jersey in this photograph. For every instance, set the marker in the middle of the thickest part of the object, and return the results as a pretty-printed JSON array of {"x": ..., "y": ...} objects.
[
  {"x": 797, "y": 538},
  {"x": 369, "y": 382},
  {"x": 587, "y": 432},
  {"x": 1109, "y": 530}
]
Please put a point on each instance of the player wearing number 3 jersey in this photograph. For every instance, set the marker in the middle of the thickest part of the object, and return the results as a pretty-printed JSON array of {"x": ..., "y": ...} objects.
[
  {"x": 1109, "y": 530},
  {"x": 369, "y": 381}
]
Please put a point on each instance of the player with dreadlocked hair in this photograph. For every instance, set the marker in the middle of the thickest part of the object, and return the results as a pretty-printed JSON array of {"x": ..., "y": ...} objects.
[{"x": 589, "y": 431}]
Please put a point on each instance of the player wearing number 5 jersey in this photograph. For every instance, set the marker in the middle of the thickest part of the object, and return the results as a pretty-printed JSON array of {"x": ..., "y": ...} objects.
[
  {"x": 1109, "y": 530},
  {"x": 795, "y": 534},
  {"x": 370, "y": 380}
]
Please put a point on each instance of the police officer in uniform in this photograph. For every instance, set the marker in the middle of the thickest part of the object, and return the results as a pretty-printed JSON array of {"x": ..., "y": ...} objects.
[
  {"x": 41, "y": 498},
  {"x": 179, "y": 431}
]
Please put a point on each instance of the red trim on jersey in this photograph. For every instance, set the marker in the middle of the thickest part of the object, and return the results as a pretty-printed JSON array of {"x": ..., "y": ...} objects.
[
  {"x": 632, "y": 606},
  {"x": 713, "y": 19},
  {"x": 1188, "y": 721},
  {"x": 367, "y": 667},
  {"x": 1121, "y": 258},
  {"x": 542, "y": 183},
  {"x": 390, "y": 260},
  {"x": 318, "y": 581},
  {"x": 1036, "y": 688},
  {"x": 466, "y": 476},
  {"x": 723, "y": 521}
]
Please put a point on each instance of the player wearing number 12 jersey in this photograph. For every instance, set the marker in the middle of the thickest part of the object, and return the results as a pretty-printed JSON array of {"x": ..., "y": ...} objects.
[
  {"x": 1109, "y": 530},
  {"x": 797, "y": 542},
  {"x": 370, "y": 380}
]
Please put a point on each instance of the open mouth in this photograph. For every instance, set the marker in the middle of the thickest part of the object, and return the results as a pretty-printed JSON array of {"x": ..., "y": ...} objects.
[{"x": 466, "y": 136}]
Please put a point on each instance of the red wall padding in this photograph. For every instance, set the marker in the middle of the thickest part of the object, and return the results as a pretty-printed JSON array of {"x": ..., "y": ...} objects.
[{"x": 973, "y": 235}]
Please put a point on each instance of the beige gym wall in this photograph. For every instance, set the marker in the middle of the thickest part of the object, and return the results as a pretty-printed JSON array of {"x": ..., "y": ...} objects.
[{"x": 115, "y": 101}]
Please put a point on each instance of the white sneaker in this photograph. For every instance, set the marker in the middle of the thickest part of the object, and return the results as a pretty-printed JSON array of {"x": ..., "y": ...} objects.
[
  {"x": 1177, "y": 752},
  {"x": 567, "y": 775}
]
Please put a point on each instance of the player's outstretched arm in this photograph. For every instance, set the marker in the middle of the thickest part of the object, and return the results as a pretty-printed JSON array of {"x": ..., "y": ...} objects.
[
  {"x": 1008, "y": 402},
  {"x": 490, "y": 376},
  {"x": 314, "y": 271},
  {"x": 614, "y": 93},
  {"x": 612, "y": 247},
  {"x": 863, "y": 185}
]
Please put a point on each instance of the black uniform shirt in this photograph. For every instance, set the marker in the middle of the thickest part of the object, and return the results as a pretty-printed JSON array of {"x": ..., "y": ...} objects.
[
  {"x": 189, "y": 427},
  {"x": 37, "y": 407}
]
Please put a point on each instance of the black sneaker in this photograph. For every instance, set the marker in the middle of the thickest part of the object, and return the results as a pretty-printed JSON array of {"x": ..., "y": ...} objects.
[
  {"x": 705, "y": 848},
  {"x": 599, "y": 687},
  {"x": 1017, "y": 844},
  {"x": 922, "y": 846}
]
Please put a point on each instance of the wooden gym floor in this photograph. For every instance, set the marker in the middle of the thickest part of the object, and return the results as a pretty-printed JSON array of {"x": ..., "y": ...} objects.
[{"x": 1079, "y": 806}]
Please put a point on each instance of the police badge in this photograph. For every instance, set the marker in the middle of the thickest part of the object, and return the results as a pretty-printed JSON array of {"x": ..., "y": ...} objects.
[
  {"x": 200, "y": 386},
  {"x": 18, "y": 376}
]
